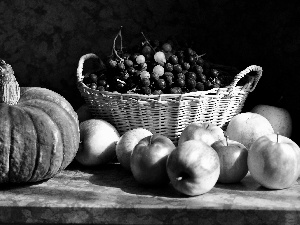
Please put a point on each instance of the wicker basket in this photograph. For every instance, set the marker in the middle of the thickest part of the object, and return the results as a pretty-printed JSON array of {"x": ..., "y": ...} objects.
[{"x": 167, "y": 114}]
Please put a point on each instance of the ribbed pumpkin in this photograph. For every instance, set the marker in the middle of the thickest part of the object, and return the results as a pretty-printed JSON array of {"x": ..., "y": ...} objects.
[{"x": 39, "y": 131}]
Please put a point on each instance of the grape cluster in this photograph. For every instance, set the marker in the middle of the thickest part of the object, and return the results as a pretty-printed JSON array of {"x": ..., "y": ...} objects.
[{"x": 158, "y": 68}]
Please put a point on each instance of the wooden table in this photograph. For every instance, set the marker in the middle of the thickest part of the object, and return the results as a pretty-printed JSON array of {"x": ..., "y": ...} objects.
[{"x": 110, "y": 195}]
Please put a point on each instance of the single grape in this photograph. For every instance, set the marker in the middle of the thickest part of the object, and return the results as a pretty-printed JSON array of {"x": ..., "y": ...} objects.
[
  {"x": 143, "y": 66},
  {"x": 160, "y": 58},
  {"x": 145, "y": 82},
  {"x": 217, "y": 81},
  {"x": 146, "y": 90},
  {"x": 180, "y": 75},
  {"x": 189, "y": 52},
  {"x": 140, "y": 59},
  {"x": 200, "y": 61},
  {"x": 173, "y": 59},
  {"x": 169, "y": 74},
  {"x": 161, "y": 84},
  {"x": 93, "y": 78},
  {"x": 169, "y": 81},
  {"x": 102, "y": 82},
  {"x": 146, "y": 50},
  {"x": 180, "y": 82},
  {"x": 121, "y": 66},
  {"x": 186, "y": 66},
  {"x": 112, "y": 63},
  {"x": 154, "y": 76},
  {"x": 201, "y": 77},
  {"x": 214, "y": 72},
  {"x": 193, "y": 90},
  {"x": 191, "y": 75},
  {"x": 192, "y": 59},
  {"x": 177, "y": 68},
  {"x": 93, "y": 86},
  {"x": 166, "y": 47},
  {"x": 169, "y": 67},
  {"x": 159, "y": 70},
  {"x": 208, "y": 85},
  {"x": 198, "y": 69},
  {"x": 175, "y": 90},
  {"x": 145, "y": 74},
  {"x": 190, "y": 83},
  {"x": 128, "y": 63},
  {"x": 131, "y": 70},
  {"x": 157, "y": 92},
  {"x": 200, "y": 86},
  {"x": 101, "y": 88}
]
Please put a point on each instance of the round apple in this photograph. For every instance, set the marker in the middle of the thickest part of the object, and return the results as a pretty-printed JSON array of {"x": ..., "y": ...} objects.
[
  {"x": 126, "y": 144},
  {"x": 98, "y": 140},
  {"x": 206, "y": 132},
  {"x": 247, "y": 127},
  {"x": 193, "y": 167},
  {"x": 274, "y": 161},
  {"x": 148, "y": 160},
  {"x": 84, "y": 113},
  {"x": 279, "y": 118},
  {"x": 233, "y": 160}
]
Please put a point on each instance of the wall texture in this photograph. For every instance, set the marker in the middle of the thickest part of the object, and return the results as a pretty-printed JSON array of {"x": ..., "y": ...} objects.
[{"x": 43, "y": 40}]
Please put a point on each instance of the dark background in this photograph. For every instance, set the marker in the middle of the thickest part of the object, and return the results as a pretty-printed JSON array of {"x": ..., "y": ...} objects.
[{"x": 43, "y": 40}]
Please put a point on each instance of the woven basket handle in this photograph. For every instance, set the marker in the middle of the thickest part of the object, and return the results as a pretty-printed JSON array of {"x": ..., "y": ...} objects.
[
  {"x": 82, "y": 59},
  {"x": 253, "y": 82}
]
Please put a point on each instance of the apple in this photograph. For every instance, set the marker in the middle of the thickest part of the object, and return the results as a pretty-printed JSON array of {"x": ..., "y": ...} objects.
[
  {"x": 126, "y": 144},
  {"x": 193, "y": 167},
  {"x": 247, "y": 127},
  {"x": 233, "y": 160},
  {"x": 84, "y": 113},
  {"x": 98, "y": 140},
  {"x": 148, "y": 160},
  {"x": 206, "y": 132},
  {"x": 274, "y": 161},
  {"x": 280, "y": 118}
]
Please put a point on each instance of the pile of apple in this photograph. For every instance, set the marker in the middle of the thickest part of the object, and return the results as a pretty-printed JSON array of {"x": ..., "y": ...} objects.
[{"x": 204, "y": 155}]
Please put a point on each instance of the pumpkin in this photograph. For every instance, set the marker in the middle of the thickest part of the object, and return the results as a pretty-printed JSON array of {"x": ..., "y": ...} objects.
[{"x": 39, "y": 131}]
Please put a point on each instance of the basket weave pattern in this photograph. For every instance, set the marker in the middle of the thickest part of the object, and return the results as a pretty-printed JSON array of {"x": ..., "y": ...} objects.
[{"x": 167, "y": 114}]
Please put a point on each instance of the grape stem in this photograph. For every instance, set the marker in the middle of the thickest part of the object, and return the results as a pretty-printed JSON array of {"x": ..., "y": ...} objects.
[
  {"x": 147, "y": 41},
  {"x": 114, "y": 51}
]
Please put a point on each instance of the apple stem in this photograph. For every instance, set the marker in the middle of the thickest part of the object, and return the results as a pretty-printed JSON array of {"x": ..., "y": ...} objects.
[
  {"x": 150, "y": 141},
  {"x": 277, "y": 137},
  {"x": 226, "y": 138},
  {"x": 207, "y": 126}
]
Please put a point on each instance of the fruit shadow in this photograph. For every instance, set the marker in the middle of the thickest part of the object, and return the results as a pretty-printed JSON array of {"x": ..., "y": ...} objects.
[
  {"x": 245, "y": 185},
  {"x": 115, "y": 176},
  {"x": 11, "y": 186}
]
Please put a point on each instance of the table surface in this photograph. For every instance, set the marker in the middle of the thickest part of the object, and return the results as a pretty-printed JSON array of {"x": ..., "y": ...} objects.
[{"x": 110, "y": 195}]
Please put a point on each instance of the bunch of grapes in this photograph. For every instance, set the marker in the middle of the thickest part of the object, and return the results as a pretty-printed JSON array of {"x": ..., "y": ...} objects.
[{"x": 158, "y": 68}]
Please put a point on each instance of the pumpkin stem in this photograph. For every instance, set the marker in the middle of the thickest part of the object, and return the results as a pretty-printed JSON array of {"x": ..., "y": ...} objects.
[{"x": 9, "y": 87}]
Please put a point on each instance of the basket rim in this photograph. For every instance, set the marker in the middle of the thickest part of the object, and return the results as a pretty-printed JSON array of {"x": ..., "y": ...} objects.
[{"x": 213, "y": 91}]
